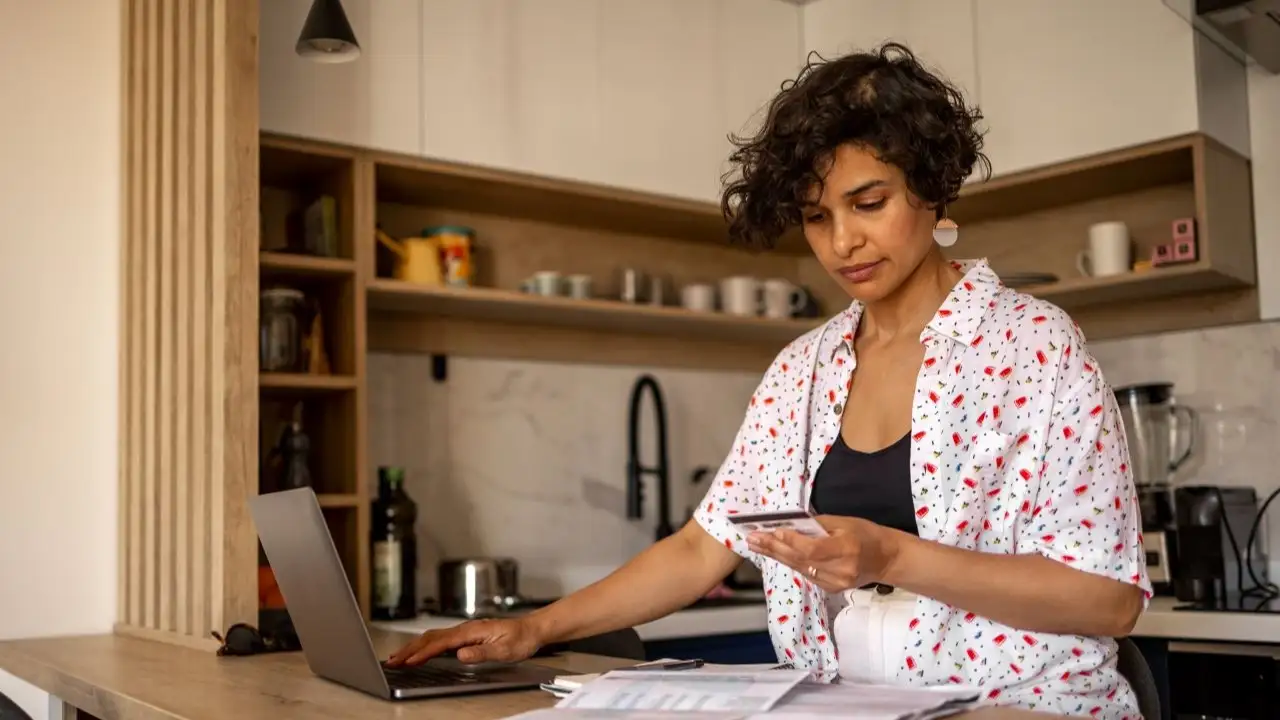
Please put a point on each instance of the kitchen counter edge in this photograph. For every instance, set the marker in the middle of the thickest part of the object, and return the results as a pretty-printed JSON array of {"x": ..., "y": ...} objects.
[{"x": 1159, "y": 621}]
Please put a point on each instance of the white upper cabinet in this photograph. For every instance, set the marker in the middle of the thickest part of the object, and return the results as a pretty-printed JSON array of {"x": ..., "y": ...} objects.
[
  {"x": 1056, "y": 79},
  {"x": 939, "y": 32},
  {"x": 372, "y": 102},
  {"x": 1060, "y": 80},
  {"x": 467, "y": 81},
  {"x": 641, "y": 94},
  {"x": 556, "y": 88},
  {"x": 632, "y": 93},
  {"x": 678, "y": 78},
  {"x": 661, "y": 112},
  {"x": 758, "y": 48}
]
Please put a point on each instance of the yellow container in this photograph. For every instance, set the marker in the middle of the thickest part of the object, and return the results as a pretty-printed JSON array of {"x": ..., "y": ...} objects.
[
  {"x": 455, "y": 244},
  {"x": 417, "y": 259}
]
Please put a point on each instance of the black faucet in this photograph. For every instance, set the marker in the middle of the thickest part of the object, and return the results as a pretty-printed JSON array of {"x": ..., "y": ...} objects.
[{"x": 636, "y": 471}]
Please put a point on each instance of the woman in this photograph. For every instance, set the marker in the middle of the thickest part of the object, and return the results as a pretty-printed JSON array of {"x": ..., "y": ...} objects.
[{"x": 955, "y": 437}]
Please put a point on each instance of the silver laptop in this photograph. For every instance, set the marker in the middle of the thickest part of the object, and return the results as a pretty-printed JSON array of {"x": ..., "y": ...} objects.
[{"x": 327, "y": 617}]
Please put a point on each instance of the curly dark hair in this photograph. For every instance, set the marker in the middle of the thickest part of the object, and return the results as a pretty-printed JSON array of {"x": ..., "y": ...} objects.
[{"x": 885, "y": 101}]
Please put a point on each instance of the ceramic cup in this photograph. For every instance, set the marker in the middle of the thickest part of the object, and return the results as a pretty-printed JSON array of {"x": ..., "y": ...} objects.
[
  {"x": 546, "y": 283},
  {"x": 1108, "y": 252},
  {"x": 740, "y": 295},
  {"x": 579, "y": 286},
  {"x": 699, "y": 298},
  {"x": 782, "y": 299}
]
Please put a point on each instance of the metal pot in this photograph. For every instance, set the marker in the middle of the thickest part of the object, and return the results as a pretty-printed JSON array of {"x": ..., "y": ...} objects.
[{"x": 474, "y": 587}]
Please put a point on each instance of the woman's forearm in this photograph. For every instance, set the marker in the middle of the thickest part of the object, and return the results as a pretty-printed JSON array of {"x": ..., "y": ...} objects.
[
  {"x": 667, "y": 576},
  {"x": 1028, "y": 592}
]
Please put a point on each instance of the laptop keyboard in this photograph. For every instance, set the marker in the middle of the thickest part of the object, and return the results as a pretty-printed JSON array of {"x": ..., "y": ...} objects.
[{"x": 421, "y": 676}]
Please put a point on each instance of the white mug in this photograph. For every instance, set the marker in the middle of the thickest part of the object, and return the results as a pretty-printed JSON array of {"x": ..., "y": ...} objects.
[
  {"x": 1108, "y": 252},
  {"x": 740, "y": 295},
  {"x": 782, "y": 299},
  {"x": 546, "y": 283},
  {"x": 579, "y": 286},
  {"x": 699, "y": 298}
]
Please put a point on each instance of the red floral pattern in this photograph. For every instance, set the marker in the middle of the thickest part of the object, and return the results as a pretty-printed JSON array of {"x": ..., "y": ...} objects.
[{"x": 1017, "y": 447}]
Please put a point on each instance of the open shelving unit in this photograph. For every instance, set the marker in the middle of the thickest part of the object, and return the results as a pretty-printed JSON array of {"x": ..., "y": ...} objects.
[
  {"x": 330, "y": 404},
  {"x": 1031, "y": 221},
  {"x": 525, "y": 224},
  {"x": 1038, "y": 220}
]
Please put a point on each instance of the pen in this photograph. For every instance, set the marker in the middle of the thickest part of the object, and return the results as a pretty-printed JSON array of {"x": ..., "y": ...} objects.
[{"x": 670, "y": 665}]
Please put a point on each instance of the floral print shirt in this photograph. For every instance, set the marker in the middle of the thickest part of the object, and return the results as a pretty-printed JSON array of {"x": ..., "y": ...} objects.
[{"x": 1017, "y": 447}]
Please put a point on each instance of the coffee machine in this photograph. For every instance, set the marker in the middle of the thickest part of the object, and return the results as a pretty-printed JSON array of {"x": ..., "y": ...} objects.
[
  {"x": 1161, "y": 436},
  {"x": 1215, "y": 565}
]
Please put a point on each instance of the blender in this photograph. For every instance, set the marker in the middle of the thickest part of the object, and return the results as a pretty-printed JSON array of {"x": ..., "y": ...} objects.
[{"x": 1161, "y": 436}]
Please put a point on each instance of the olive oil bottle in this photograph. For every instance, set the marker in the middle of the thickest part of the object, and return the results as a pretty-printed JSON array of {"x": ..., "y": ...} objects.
[{"x": 394, "y": 547}]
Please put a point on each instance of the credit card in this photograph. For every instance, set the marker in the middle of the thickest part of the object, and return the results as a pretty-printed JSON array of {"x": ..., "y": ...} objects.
[{"x": 797, "y": 520}]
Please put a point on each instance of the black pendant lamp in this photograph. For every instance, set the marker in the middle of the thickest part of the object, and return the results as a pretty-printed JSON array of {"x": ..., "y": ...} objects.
[{"x": 326, "y": 35}]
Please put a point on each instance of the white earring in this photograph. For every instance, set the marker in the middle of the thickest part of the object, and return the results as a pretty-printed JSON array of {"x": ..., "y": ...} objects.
[{"x": 946, "y": 232}]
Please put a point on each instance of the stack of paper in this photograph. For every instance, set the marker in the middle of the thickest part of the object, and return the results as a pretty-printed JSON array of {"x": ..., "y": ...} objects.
[
  {"x": 678, "y": 691},
  {"x": 733, "y": 693},
  {"x": 565, "y": 684},
  {"x": 871, "y": 702}
]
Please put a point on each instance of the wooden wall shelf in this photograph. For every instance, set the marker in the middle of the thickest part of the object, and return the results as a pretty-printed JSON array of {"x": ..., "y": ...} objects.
[
  {"x": 488, "y": 304},
  {"x": 1033, "y": 221},
  {"x": 1148, "y": 285},
  {"x": 1038, "y": 221},
  {"x": 304, "y": 383},
  {"x": 337, "y": 500},
  {"x": 280, "y": 264}
]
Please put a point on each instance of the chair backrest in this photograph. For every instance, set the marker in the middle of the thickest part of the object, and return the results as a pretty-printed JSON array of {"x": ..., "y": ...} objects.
[
  {"x": 624, "y": 643},
  {"x": 1133, "y": 666}
]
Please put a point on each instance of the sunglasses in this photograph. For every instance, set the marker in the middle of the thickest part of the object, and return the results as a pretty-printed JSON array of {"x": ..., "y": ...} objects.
[{"x": 245, "y": 639}]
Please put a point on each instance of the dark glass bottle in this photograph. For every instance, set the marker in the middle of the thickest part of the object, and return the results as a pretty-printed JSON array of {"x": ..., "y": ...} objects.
[
  {"x": 294, "y": 447},
  {"x": 395, "y": 548}
]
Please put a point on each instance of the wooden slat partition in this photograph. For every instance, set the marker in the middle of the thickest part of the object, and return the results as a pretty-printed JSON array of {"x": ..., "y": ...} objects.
[{"x": 188, "y": 370}]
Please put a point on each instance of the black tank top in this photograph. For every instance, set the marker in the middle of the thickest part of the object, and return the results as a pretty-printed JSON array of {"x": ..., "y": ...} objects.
[{"x": 875, "y": 486}]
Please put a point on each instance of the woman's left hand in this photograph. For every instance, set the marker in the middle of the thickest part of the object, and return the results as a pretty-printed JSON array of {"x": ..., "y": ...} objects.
[{"x": 855, "y": 552}]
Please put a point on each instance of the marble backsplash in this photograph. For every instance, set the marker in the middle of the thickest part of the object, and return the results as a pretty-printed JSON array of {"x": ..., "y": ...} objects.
[
  {"x": 529, "y": 459},
  {"x": 1229, "y": 375}
]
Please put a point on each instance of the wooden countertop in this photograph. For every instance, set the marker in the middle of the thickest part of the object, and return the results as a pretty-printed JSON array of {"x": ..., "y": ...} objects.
[{"x": 121, "y": 678}]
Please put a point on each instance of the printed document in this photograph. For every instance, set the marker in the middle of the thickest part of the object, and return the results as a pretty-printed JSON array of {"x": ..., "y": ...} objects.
[
  {"x": 685, "y": 691},
  {"x": 750, "y": 696}
]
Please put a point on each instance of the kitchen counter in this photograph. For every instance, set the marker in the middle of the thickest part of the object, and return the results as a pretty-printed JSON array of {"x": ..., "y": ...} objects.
[
  {"x": 1159, "y": 621},
  {"x": 121, "y": 678},
  {"x": 1162, "y": 621}
]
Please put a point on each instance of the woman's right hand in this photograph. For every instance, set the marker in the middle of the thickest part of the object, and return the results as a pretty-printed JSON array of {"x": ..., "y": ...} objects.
[{"x": 508, "y": 640}]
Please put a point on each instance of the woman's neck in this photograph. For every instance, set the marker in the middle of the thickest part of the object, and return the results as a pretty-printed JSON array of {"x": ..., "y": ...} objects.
[{"x": 909, "y": 308}]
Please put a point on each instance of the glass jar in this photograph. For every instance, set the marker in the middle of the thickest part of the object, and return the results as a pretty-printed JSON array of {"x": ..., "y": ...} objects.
[{"x": 280, "y": 314}]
